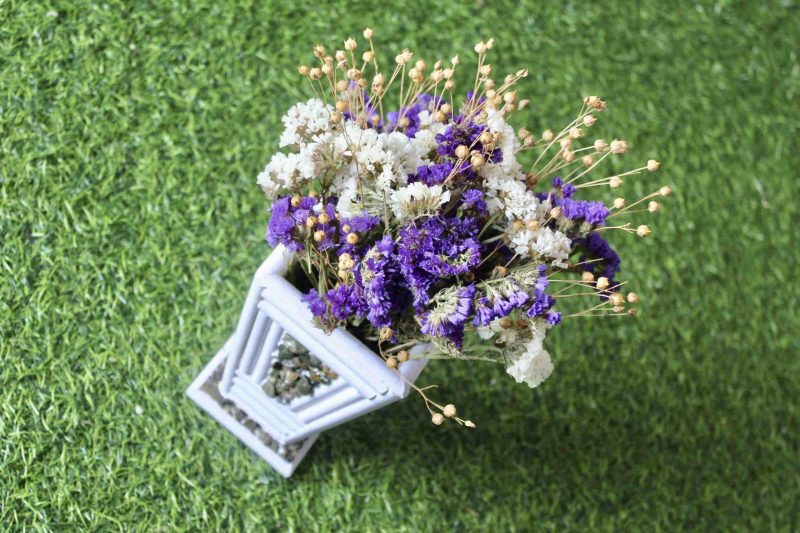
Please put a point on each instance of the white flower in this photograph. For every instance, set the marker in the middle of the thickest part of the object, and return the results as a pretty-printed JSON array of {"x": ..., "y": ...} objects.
[
  {"x": 282, "y": 172},
  {"x": 543, "y": 242},
  {"x": 303, "y": 121},
  {"x": 418, "y": 199},
  {"x": 506, "y": 336},
  {"x": 507, "y": 141},
  {"x": 533, "y": 365}
]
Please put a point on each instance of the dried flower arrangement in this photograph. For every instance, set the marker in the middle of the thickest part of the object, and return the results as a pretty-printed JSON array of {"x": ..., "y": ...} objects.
[{"x": 412, "y": 219}]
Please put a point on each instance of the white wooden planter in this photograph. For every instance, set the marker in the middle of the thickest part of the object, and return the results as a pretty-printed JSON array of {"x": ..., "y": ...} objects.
[{"x": 230, "y": 389}]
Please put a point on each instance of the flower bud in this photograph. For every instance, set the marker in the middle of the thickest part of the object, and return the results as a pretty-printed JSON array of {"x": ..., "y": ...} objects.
[
  {"x": 587, "y": 276},
  {"x": 555, "y": 212},
  {"x": 599, "y": 145},
  {"x": 575, "y": 132},
  {"x": 438, "y": 419},
  {"x": 469, "y": 423},
  {"x": 319, "y": 51},
  {"x": 617, "y": 299},
  {"x": 449, "y": 85},
  {"x": 587, "y": 160},
  {"x": 476, "y": 160},
  {"x": 295, "y": 201},
  {"x": 665, "y": 191},
  {"x": 652, "y": 165},
  {"x": 446, "y": 109},
  {"x": 352, "y": 238},
  {"x": 653, "y": 206},
  {"x": 485, "y": 137},
  {"x": 403, "y": 356},
  {"x": 341, "y": 56},
  {"x": 335, "y": 117},
  {"x": 350, "y": 44},
  {"x": 510, "y": 97},
  {"x": 631, "y": 312},
  {"x": 643, "y": 231},
  {"x": 391, "y": 362},
  {"x": 315, "y": 73},
  {"x": 303, "y": 70},
  {"x": 602, "y": 283},
  {"x": 420, "y": 65},
  {"x": 618, "y": 147},
  {"x": 589, "y": 120},
  {"x": 615, "y": 182},
  {"x": 311, "y": 221},
  {"x": 323, "y": 218},
  {"x": 481, "y": 48},
  {"x": 368, "y": 56},
  {"x": 368, "y": 34},
  {"x": 619, "y": 203},
  {"x": 319, "y": 235},
  {"x": 633, "y": 297},
  {"x": 386, "y": 333},
  {"x": 449, "y": 410}
]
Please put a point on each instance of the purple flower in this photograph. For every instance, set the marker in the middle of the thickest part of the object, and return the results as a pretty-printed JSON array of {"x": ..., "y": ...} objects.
[
  {"x": 433, "y": 174},
  {"x": 553, "y": 318},
  {"x": 557, "y": 182},
  {"x": 345, "y": 302},
  {"x": 449, "y": 314},
  {"x": 423, "y": 102},
  {"x": 483, "y": 313},
  {"x": 315, "y": 303},
  {"x": 285, "y": 218},
  {"x": 542, "y": 302},
  {"x": 598, "y": 248},
  {"x": 473, "y": 199},
  {"x": 465, "y": 132},
  {"x": 568, "y": 190}
]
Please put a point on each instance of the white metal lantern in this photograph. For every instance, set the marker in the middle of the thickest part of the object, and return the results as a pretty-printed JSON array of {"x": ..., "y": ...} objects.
[{"x": 231, "y": 387}]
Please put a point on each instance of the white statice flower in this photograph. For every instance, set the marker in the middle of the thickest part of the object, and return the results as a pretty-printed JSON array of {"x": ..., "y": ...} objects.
[
  {"x": 508, "y": 193},
  {"x": 417, "y": 199},
  {"x": 507, "y": 141},
  {"x": 533, "y": 365},
  {"x": 505, "y": 336},
  {"x": 541, "y": 242},
  {"x": 303, "y": 121},
  {"x": 284, "y": 171}
]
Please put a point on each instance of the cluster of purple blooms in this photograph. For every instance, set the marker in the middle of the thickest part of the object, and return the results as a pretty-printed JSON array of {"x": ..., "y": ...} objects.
[{"x": 430, "y": 256}]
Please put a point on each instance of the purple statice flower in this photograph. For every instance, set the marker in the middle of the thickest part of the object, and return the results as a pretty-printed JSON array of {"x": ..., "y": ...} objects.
[
  {"x": 473, "y": 199},
  {"x": 553, "y": 318},
  {"x": 362, "y": 223},
  {"x": 439, "y": 247},
  {"x": 597, "y": 247},
  {"x": 449, "y": 314},
  {"x": 567, "y": 190},
  {"x": 382, "y": 284},
  {"x": 433, "y": 174},
  {"x": 596, "y": 213},
  {"x": 315, "y": 303},
  {"x": 423, "y": 102},
  {"x": 465, "y": 132},
  {"x": 345, "y": 302},
  {"x": 572, "y": 209},
  {"x": 557, "y": 182},
  {"x": 541, "y": 281},
  {"x": 285, "y": 217},
  {"x": 542, "y": 302},
  {"x": 483, "y": 312}
]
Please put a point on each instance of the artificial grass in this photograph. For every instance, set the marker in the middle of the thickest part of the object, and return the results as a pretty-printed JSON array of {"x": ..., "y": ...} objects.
[{"x": 130, "y": 225}]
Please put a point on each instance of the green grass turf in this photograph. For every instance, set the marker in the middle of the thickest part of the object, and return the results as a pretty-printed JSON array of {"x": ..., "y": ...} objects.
[{"x": 130, "y": 226}]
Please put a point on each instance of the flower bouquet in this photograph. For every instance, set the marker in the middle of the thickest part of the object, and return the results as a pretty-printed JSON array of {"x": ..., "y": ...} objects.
[{"x": 412, "y": 217}]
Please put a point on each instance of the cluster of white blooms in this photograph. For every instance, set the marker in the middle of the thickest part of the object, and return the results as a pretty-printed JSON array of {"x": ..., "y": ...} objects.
[
  {"x": 542, "y": 242},
  {"x": 303, "y": 121},
  {"x": 505, "y": 336},
  {"x": 533, "y": 364},
  {"x": 417, "y": 199}
]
